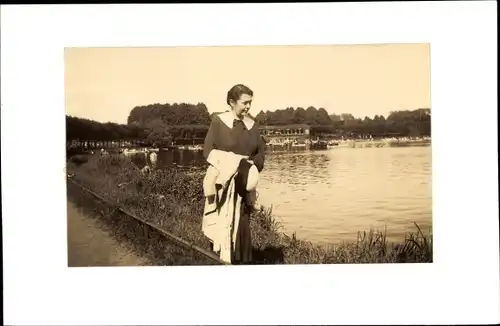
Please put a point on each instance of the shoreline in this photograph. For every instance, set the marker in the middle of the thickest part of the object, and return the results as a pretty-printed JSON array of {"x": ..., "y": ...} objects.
[
  {"x": 172, "y": 200},
  {"x": 270, "y": 147}
]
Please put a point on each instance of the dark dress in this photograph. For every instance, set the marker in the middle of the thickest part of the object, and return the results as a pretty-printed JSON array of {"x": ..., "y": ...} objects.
[{"x": 242, "y": 141}]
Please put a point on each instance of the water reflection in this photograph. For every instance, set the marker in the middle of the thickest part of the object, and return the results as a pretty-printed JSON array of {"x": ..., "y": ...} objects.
[
  {"x": 169, "y": 158},
  {"x": 327, "y": 196}
]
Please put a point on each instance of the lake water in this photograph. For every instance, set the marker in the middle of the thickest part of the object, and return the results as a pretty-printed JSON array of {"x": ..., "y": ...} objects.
[{"x": 328, "y": 196}]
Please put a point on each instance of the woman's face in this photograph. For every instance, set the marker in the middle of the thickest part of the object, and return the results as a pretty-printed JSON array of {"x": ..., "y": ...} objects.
[{"x": 242, "y": 106}]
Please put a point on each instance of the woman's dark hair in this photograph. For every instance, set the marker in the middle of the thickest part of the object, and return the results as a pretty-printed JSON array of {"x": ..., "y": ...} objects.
[{"x": 236, "y": 91}]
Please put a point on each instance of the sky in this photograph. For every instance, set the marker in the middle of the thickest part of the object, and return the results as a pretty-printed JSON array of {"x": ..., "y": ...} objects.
[{"x": 104, "y": 84}]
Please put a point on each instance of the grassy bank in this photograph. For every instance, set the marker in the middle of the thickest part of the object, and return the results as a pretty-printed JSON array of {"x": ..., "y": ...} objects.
[{"x": 173, "y": 201}]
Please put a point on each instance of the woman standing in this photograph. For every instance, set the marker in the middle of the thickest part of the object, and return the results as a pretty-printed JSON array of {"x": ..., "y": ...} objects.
[{"x": 236, "y": 132}]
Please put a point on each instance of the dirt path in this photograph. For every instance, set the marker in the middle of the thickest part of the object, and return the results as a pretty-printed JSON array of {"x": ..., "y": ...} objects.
[{"x": 90, "y": 245}]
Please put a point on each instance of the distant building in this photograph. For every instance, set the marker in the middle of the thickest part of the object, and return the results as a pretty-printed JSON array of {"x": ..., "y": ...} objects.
[
  {"x": 298, "y": 131},
  {"x": 292, "y": 137}
]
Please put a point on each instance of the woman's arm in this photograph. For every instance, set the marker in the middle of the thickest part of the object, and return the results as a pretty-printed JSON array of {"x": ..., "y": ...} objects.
[
  {"x": 209, "y": 143},
  {"x": 259, "y": 157}
]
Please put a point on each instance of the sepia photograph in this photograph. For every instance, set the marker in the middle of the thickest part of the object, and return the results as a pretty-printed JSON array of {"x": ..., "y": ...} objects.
[{"x": 248, "y": 155}]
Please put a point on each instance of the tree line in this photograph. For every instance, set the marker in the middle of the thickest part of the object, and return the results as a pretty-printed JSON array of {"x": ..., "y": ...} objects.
[
  {"x": 86, "y": 129},
  {"x": 184, "y": 120},
  {"x": 164, "y": 123},
  {"x": 402, "y": 123}
]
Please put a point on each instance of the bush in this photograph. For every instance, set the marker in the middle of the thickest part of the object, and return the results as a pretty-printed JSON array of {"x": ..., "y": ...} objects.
[{"x": 79, "y": 159}]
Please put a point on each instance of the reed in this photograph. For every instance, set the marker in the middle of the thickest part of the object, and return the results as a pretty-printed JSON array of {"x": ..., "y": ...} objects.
[{"x": 173, "y": 200}]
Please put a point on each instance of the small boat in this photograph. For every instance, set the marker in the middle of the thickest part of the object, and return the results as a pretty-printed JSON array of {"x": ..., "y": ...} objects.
[
  {"x": 153, "y": 157},
  {"x": 332, "y": 144},
  {"x": 195, "y": 148}
]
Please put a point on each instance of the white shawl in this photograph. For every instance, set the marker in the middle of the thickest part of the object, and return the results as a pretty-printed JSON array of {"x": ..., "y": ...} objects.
[{"x": 221, "y": 225}]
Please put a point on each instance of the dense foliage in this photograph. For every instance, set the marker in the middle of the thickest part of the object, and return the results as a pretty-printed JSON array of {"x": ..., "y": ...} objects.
[
  {"x": 85, "y": 129},
  {"x": 170, "y": 114},
  {"x": 401, "y": 123}
]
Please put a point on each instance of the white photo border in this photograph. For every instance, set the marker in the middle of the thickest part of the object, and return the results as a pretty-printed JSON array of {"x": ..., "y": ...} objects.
[{"x": 462, "y": 284}]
